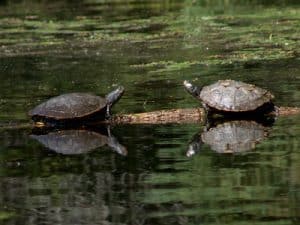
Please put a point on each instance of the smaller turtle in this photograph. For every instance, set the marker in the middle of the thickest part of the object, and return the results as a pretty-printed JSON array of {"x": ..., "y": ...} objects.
[
  {"x": 69, "y": 109},
  {"x": 229, "y": 96}
]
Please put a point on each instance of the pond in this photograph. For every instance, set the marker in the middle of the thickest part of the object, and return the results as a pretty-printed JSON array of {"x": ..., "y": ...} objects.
[{"x": 148, "y": 175}]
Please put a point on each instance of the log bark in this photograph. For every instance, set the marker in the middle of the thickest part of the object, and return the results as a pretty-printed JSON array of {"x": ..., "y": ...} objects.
[
  {"x": 192, "y": 115},
  {"x": 288, "y": 111}
]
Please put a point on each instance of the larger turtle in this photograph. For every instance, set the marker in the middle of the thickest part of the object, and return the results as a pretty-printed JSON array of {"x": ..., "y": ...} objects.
[
  {"x": 71, "y": 108},
  {"x": 230, "y": 96}
]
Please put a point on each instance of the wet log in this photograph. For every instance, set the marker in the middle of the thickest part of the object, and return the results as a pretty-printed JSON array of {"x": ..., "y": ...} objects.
[
  {"x": 171, "y": 116},
  {"x": 190, "y": 115}
]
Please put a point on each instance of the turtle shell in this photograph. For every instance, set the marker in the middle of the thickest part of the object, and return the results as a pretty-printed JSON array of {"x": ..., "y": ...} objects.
[
  {"x": 234, "y": 96},
  {"x": 69, "y": 106}
]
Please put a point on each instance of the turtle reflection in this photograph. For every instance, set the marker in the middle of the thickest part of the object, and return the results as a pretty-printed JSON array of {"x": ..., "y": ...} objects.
[
  {"x": 230, "y": 136},
  {"x": 77, "y": 141}
]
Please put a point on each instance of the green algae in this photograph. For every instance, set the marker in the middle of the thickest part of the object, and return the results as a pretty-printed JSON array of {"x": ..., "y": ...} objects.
[{"x": 235, "y": 35}]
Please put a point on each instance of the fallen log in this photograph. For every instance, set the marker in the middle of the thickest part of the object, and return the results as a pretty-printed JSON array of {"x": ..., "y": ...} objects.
[
  {"x": 189, "y": 115},
  {"x": 171, "y": 116}
]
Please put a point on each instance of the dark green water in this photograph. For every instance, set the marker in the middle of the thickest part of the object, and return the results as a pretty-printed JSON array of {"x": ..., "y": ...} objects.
[{"x": 150, "y": 47}]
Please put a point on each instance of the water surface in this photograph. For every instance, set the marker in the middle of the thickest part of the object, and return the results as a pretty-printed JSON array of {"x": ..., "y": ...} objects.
[{"x": 49, "y": 48}]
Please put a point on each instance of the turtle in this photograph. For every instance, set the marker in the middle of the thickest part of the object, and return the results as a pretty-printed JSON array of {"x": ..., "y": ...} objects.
[
  {"x": 230, "y": 96},
  {"x": 231, "y": 136},
  {"x": 77, "y": 141},
  {"x": 72, "y": 108}
]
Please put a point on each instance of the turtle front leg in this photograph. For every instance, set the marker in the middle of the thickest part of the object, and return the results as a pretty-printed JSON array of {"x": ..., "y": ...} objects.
[
  {"x": 206, "y": 107},
  {"x": 108, "y": 112},
  {"x": 208, "y": 113},
  {"x": 276, "y": 110}
]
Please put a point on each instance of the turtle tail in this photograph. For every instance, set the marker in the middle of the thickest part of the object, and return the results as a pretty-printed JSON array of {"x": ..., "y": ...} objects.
[{"x": 192, "y": 89}]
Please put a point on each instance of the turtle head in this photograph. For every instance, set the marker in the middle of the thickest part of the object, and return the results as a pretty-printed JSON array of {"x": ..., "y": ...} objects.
[
  {"x": 192, "y": 89},
  {"x": 114, "y": 96}
]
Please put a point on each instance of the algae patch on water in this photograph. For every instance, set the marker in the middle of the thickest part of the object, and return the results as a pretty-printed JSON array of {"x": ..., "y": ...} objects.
[{"x": 202, "y": 33}]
